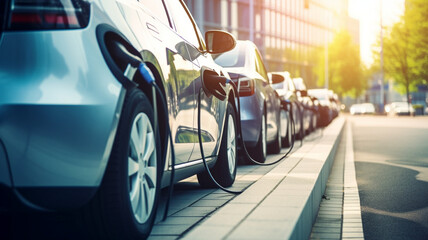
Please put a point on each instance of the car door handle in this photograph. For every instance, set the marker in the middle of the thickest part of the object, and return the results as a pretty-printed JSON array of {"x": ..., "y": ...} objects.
[
  {"x": 154, "y": 31},
  {"x": 152, "y": 28}
]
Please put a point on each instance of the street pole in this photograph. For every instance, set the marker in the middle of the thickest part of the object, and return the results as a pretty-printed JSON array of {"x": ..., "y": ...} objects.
[
  {"x": 381, "y": 107},
  {"x": 251, "y": 20},
  {"x": 326, "y": 54}
]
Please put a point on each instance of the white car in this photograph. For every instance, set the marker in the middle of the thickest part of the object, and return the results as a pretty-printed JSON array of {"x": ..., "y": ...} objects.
[
  {"x": 401, "y": 108},
  {"x": 362, "y": 108}
]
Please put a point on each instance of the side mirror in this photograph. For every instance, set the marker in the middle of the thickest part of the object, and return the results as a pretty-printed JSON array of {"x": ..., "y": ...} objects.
[
  {"x": 276, "y": 78},
  {"x": 219, "y": 41}
]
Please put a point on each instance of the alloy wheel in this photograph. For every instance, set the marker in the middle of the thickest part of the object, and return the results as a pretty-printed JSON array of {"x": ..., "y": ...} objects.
[
  {"x": 142, "y": 168},
  {"x": 231, "y": 145}
]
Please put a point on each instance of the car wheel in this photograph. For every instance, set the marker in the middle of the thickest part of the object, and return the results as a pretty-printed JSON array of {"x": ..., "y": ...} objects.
[
  {"x": 314, "y": 121},
  {"x": 286, "y": 142},
  {"x": 126, "y": 202},
  {"x": 259, "y": 153},
  {"x": 224, "y": 170},
  {"x": 300, "y": 134},
  {"x": 275, "y": 147}
]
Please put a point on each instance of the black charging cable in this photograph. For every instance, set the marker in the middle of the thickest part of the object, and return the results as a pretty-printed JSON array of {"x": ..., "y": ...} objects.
[
  {"x": 242, "y": 143},
  {"x": 150, "y": 79},
  {"x": 202, "y": 149}
]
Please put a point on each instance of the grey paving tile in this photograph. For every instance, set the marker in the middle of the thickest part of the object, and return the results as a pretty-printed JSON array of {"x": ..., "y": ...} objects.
[
  {"x": 326, "y": 230},
  {"x": 219, "y": 196},
  {"x": 325, "y": 236},
  {"x": 356, "y": 235},
  {"x": 336, "y": 224},
  {"x": 169, "y": 229},
  {"x": 262, "y": 230},
  {"x": 207, "y": 233},
  {"x": 356, "y": 229},
  {"x": 180, "y": 220},
  {"x": 352, "y": 224},
  {"x": 265, "y": 213},
  {"x": 210, "y": 203},
  {"x": 194, "y": 212}
]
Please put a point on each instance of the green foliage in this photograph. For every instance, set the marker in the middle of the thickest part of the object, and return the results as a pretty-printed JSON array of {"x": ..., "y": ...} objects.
[
  {"x": 416, "y": 21},
  {"x": 405, "y": 48},
  {"x": 345, "y": 71}
]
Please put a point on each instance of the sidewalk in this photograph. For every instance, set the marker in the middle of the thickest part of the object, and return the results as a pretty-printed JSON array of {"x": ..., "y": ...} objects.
[{"x": 283, "y": 203}]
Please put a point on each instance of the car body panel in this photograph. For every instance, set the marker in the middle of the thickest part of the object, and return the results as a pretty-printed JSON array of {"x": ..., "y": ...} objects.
[
  {"x": 62, "y": 104},
  {"x": 264, "y": 98}
]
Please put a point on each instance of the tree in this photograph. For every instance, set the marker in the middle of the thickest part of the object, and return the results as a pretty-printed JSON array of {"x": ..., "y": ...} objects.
[
  {"x": 416, "y": 21},
  {"x": 345, "y": 71},
  {"x": 398, "y": 62},
  {"x": 405, "y": 48}
]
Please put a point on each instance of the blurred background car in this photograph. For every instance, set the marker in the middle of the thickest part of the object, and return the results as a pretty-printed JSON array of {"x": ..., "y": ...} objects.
[
  {"x": 260, "y": 104},
  {"x": 325, "y": 105},
  {"x": 305, "y": 106},
  {"x": 400, "y": 109},
  {"x": 336, "y": 105},
  {"x": 362, "y": 108},
  {"x": 284, "y": 86},
  {"x": 81, "y": 132},
  {"x": 316, "y": 106}
]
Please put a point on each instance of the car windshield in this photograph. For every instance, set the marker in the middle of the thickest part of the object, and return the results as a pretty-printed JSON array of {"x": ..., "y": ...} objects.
[{"x": 232, "y": 58}]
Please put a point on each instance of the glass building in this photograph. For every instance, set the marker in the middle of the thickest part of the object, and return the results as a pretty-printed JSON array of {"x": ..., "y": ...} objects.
[{"x": 287, "y": 32}]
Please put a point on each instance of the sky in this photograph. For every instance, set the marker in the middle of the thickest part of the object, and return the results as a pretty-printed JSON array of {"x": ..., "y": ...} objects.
[{"x": 368, "y": 12}]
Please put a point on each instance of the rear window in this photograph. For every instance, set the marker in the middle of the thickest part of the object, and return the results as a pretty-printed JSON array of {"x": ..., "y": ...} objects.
[{"x": 232, "y": 58}]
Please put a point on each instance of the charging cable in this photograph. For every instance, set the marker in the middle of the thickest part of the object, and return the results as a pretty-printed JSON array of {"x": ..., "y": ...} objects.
[
  {"x": 241, "y": 136},
  {"x": 240, "y": 139},
  {"x": 147, "y": 75}
]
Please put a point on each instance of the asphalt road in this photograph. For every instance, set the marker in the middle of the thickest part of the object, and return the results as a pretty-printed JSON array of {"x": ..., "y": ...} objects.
[{"x": 391, "y": 160}]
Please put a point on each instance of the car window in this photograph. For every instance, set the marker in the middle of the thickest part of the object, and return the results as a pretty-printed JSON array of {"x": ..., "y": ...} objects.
[
  {"x": 232, "y": 58},
  {"x": 158, "y": 10},
  {"x": 183, "y": 22},
  {"x": 260, "y": 67}
]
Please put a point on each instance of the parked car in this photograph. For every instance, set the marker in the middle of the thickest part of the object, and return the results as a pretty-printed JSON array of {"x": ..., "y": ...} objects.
[
  {"x": 336, "y": 105},
  {"x": 316, "y": 106},
  {"x": 284, "y": 86},
  {"x": 362, "y": 108},
  {"x": 400, "y": 108},
  {"x": 306, "y": 106},
  {"x": 260, "y": 105},
  {"x": 325, "y": 108},
  {"x": 79, "y": 129}
]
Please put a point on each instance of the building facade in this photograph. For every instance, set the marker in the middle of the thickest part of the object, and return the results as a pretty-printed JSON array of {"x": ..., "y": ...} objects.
[{"x": 287, "y": 32}]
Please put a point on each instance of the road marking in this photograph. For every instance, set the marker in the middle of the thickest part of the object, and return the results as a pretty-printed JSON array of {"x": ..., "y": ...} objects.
[{"x": 352, "y": 225}]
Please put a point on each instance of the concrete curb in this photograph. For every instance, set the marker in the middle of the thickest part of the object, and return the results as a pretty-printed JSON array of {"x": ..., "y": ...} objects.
[{"x": 284, "y": 203}]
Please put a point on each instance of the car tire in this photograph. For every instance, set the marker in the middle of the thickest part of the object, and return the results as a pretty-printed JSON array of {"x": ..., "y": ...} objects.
[
  {"x": 125, "y": 205},
  {"x": 224, "y": 170},
  {"x": 259, "y": 152},
  {"x": 286, "y": 142},
  {"x": 301, "y": 133}
]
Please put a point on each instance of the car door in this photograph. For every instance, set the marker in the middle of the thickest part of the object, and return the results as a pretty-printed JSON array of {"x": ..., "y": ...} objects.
[
  {"x": 157, "y": 35},
  {"x": 212, "y": 110},
  {"x": 272, "y": 101}
]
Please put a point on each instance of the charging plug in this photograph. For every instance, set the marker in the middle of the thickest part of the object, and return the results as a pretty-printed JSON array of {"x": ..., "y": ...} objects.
[{"x": 146, "y": 73}]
